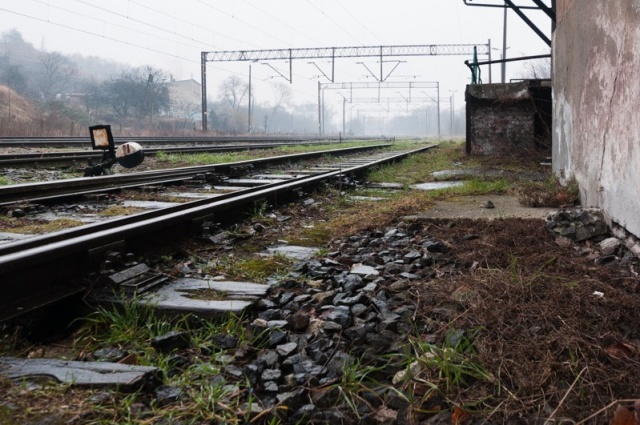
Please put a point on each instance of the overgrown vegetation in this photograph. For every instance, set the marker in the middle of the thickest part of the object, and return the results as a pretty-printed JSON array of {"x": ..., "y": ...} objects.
[{"x": 40, "y": 226}]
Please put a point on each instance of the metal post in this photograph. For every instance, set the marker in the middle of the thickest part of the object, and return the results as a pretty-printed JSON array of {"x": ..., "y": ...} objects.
[
  {"x": 426, "y": 121},
  {"x": 344, "y": 102},
  {"x": 323, "y": 116},
  {"x": 203, "y": 85},
  {"x": 451, "y": 115},
  {"x": 438, "y": 109},
  {"x": 504, "y": 46},
  {"x": 490, "y": 66},
  {"x": 319, "y": 112},
  {"x": 249, "y": 106}
]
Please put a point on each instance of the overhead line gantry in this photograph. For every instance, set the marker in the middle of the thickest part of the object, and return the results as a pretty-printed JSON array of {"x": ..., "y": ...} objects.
[{"x": 333, "y": 53}]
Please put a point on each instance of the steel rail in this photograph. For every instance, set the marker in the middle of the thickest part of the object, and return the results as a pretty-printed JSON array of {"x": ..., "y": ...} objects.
[
  {"x": 53, "y": 263},
  {"x": 73, "y": 156},
  {"x": 19, "y": 141},
  {"x": 42, "y": 191}
]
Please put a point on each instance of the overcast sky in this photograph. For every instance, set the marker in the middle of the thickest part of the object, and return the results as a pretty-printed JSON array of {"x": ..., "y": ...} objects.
[{"x": 171, "y": 34}]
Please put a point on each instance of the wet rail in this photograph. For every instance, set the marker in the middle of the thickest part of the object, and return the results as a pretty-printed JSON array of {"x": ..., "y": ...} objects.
[
  {"x": 81, "y": 186},
  {"x": 85, "y": 142},
  {"x": 41, "y": 270},
  {"x": 26, "y": 159}
]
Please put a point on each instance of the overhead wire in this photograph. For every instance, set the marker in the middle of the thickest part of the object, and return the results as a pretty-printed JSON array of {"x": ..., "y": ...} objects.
[
  {"x": 333, "y": 21},
  {"x": 96, "y": 34},
  {"x": 355, "y": 18},
  {"x": 204, "y": 43},
  {"x": 186, "y": 22},
  {"x": 242, "y": 22},
  {"x": 279, "y": 21},
  {"x": 115, "y": 25}
]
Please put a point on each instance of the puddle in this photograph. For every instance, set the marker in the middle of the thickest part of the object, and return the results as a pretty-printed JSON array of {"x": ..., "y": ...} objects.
[{"x": 436, "y": 185}]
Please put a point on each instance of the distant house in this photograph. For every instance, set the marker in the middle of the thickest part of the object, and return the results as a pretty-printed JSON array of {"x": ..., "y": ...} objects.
[{"x": 185, "y": 99}]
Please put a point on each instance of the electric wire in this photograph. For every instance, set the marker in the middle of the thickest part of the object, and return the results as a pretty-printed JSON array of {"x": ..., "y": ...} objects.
[
  {"x": 334, "y": 22},
  {"x": 185, "y": 21},
  {"x": 355, "y": 18},
  {"x": 204, "y": 43},
  {"x": 97, "y": 35},
  {"x": 280, "y": 21},
  {"x": 242, "y": 22},
  {"x": 116, "y": 25}
]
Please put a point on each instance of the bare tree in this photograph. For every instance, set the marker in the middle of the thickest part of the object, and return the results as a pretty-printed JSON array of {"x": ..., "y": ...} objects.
[
  {"x": 57, "y": 75},
  {"x": 281, "y": 96},
  {"x": 537, "y": 69},
  {"x": 233, "y": 91}
]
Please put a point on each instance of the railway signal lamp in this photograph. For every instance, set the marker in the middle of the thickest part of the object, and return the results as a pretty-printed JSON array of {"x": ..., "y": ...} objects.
[{"x": 128, "y": 155}]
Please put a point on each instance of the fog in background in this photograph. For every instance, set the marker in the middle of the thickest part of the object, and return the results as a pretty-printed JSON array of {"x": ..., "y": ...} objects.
[{"x": 115, "y": 62}]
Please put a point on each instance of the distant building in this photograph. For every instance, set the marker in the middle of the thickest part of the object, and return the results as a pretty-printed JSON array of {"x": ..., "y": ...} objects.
[{"x": 185, "y": 99}]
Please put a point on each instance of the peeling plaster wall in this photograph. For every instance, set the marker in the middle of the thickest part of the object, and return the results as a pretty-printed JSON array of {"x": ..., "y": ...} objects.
[{"x": 596, "y": 94}]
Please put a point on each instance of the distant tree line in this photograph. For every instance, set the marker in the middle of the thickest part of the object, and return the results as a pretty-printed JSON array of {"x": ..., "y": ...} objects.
[{"x": 75, "y": 91}]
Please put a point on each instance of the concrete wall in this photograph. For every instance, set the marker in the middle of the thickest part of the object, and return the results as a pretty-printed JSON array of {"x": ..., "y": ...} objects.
[
  {"x": 596, "y": 88},
  {"x": 509, "y": 119}
]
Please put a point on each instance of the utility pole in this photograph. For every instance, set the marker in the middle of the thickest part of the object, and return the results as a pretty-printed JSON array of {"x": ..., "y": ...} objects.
[
  {"x": 249, "y": 107},
  {"x": 504, "y": 46},
  {"x": 319, "y": 112}
]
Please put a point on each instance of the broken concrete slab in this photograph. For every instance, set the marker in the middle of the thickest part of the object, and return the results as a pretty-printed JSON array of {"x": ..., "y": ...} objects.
[
  {"x": 436, "y": 185},
  {"x": 367, "y": 198},
  {"x": 384, "y": 185},
  {"x": 205, "y": 298},
  {"x": 191, "y": 195},
  {"x": 84, "y": 374},
  {"x": 292, "y": 251},
  {"x": 149, "y": 205},
  {"x": 253, "y": 182}
]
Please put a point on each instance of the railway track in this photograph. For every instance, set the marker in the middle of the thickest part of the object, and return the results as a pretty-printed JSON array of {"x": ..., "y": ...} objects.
[
  {"x": 85, "y": 142},
  {"x": 40, "y": 271},
  {"x": 73, "y": 157},
  {"x": 58, "y": 189}
]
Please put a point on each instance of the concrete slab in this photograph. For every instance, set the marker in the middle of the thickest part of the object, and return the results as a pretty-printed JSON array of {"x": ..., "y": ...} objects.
[
  {"x": 473, "y": 207},
  {"x": 273, "y": 176},
  {"x": 228, "y": 188},
  {"x": 82, "y": 374},
  {"x": 385, "y": 185},
  {"x": 367, "y": 198},
  {"x": 205, "y": 298},
  {"x": 292, "y": 251},
  {"x": 191, "y": 195},
  {"x": 436, "y": 185},
  {"x": 253, "y": 182},
  {"x": 149, "y": 205}
]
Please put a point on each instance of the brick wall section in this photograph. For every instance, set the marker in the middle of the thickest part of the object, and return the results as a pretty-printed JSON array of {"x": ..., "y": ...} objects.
[{"x": 506, "y": 119}]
